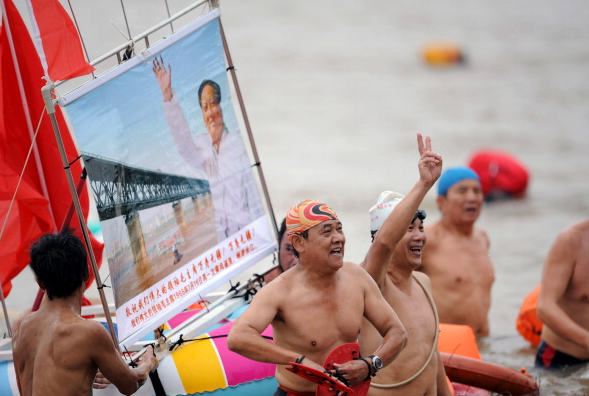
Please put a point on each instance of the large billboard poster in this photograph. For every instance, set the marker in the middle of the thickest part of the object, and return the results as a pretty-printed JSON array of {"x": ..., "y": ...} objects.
[{"x": 177, "y": 199}]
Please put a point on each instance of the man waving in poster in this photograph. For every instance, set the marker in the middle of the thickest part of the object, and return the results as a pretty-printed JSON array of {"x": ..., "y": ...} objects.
[{"x": 218, "y": 153}]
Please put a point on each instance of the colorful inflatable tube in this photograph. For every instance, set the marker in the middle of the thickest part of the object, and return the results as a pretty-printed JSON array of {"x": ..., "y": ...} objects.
[
  {"x": 203, "y": 365},
  {"x": 206, "y": 367}
]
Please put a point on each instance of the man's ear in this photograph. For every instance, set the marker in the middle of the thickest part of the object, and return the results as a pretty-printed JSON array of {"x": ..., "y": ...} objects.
[
  {"x": 440, "y": 201},
  {"x": 297, "y": 242}
]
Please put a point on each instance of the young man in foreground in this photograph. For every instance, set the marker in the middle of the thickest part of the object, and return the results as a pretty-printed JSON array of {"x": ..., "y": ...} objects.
[{"x": 56, "y": 351}]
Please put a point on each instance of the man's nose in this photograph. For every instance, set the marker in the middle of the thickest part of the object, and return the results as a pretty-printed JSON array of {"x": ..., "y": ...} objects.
[
  {"x": 418, "y": 235},
  {"x": 471, "y": 194},
  {"x": 338, "y": 236}
]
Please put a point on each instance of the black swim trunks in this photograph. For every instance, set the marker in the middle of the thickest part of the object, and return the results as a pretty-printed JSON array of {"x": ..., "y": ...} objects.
[
  {"x": 548, "y": 357},
  {"x": 279, "y": 392},
  {"x": 282, "y": 392}
]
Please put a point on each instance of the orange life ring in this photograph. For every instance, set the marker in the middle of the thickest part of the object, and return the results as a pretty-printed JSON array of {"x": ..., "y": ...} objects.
[
  {"x": 528, "y": 324},
  {"x": 485, "y": 375}
]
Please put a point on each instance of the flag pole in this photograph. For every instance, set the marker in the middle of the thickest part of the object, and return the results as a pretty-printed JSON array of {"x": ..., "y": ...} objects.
[{"x": 50, "y": 106}]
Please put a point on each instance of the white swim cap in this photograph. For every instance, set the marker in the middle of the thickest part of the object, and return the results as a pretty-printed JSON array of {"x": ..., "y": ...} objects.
[{"x": 387, "y": 201}]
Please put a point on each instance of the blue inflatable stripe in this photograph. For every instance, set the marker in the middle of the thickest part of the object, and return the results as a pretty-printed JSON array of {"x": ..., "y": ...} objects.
[
  {"x": 265, "y": 386},
  {"x": 4, "y": 382}
]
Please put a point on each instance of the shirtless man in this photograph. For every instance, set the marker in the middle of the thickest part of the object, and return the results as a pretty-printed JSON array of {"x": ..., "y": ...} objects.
[
  {"x": 398, "y": 239},
  {"x": 563, "y": 303},
  {"x": 457, "y": 254},
  {"x": 56, "y": 351},
  {"x": 317, "y": 306}
]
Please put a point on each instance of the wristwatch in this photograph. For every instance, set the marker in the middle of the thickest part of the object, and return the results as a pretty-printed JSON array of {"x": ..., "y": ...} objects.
[{"x": 376, "y": 363}]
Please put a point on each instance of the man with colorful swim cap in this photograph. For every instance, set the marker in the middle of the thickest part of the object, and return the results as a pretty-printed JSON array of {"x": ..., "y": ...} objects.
[
  {"x": 316, "y": 307},
  {"x": 396, "y": 224},
  {"x": 457, "y": 254}
]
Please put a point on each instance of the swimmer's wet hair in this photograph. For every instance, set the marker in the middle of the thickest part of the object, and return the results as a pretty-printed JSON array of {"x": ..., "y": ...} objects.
[{"x": 59, "y": 263}]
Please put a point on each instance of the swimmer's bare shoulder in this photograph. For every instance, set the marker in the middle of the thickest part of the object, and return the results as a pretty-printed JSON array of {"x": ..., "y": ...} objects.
[
  {"x": 356, "y": 273},
  {"x": 484, "y": 237}
]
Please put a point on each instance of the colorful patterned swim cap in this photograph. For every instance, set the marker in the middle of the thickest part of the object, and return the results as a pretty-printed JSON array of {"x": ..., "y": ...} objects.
[{"x": 307, "y": 215}]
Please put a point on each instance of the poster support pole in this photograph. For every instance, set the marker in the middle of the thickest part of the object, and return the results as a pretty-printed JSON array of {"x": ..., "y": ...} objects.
[{"x": 50, "y": 106}]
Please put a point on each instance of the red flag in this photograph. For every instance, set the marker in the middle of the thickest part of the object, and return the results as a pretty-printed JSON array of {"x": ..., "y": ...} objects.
[
  {"x": 43, "y": 197},
  {"x": 60, "y": 41}
]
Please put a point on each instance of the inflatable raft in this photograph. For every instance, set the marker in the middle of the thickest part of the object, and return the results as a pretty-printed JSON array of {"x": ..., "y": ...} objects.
[
  {"x": 204, "y": 366},
  {"x": 200, "y": 366}
]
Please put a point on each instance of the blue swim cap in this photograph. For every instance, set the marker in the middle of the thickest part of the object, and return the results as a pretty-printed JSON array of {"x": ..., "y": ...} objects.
[{"x": 454, "y": 175}]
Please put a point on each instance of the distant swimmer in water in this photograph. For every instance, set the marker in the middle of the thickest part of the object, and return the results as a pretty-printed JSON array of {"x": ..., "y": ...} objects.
[
  {"x": 563, "y": 303},
  {"x": 456, "y": 257},
  {"x": 56, "y": 351}
]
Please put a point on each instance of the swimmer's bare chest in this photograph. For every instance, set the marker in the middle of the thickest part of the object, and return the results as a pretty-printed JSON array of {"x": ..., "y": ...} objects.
[{"x": 318, "y": 323}]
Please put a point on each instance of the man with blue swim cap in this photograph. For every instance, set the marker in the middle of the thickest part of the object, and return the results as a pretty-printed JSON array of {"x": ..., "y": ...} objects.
[
  {"x": 456, "y": 257},
  {"x": 454, "y": 175}
]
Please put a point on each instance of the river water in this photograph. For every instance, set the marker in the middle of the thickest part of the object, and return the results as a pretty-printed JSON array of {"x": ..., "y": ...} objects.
[{"x": 335, "y": 92}]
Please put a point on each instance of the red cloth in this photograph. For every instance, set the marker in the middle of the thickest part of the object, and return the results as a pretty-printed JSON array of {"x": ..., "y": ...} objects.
[
  {"x": 61, "y": 43},
  {"x": 43, "y": 197},
  {"x": 500, "y": 173}
]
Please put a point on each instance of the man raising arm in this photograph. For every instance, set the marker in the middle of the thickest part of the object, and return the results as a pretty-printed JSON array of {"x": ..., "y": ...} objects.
[{"x": 398, "y": 240}]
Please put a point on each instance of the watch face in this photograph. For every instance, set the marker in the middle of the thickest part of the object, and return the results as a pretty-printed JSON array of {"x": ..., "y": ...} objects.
[{"x": 377, "y": 362}]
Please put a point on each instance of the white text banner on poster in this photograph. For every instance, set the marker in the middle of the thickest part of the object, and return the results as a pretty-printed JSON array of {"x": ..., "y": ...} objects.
[
  {"x": 170, "y": 176},
  {"x": 172, "y": 294}
]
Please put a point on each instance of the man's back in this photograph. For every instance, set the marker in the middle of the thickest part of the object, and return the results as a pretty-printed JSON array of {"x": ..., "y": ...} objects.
[
  {"x": 53, "y": 353},
  {"x": 58, "y": 352},
  {"x": 461, "y": 274}
]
